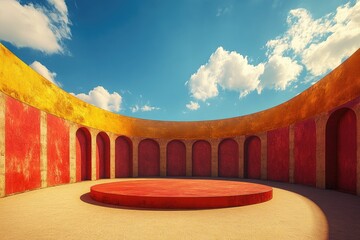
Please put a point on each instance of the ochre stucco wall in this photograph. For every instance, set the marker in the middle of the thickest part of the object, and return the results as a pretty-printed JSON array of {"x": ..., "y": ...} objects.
[{"x": 21, "y": 82}]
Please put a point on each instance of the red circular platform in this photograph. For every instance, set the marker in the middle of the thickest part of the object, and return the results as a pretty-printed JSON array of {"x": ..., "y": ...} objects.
[{"x": 181, "y": 193}]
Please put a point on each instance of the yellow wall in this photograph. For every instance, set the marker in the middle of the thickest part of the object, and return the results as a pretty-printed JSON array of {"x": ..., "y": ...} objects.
[{"x": 21, "y": 82}]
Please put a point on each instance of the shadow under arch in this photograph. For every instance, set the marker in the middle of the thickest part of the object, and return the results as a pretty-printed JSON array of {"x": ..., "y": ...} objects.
[{"x": 83, "y": 154}]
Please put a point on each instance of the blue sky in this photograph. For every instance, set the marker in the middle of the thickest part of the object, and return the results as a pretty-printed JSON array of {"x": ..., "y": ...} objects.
[{"x": 182, "y": 60}]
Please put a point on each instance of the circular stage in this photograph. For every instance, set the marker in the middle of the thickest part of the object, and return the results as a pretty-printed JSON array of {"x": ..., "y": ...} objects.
[{"x": 181, "y": 193}]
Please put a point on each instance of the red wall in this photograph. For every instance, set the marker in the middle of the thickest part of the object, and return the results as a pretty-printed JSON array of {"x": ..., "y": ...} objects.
[
  {"x": 252, "y": 157},
  {"x": 58, "y": 160},
  {"x": 305, "y": 152},
  {"x": 201, "y": 159},
  {"x": 176, "y": 158},
  {"x": 102, "y": 156},
  {"x": 83, "y": 155},
  {"x": 228, "y": 158},
  {"x": 347, "y": 153},
  {"x": 22, "y": 147},
  {"x": 278, "y": 155},
  {"x": 149, "y": 158},
  {"x": 123, "y": 157}
]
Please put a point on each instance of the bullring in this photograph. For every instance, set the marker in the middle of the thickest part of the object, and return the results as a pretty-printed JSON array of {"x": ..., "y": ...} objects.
[{"x": 50, "y": 138}]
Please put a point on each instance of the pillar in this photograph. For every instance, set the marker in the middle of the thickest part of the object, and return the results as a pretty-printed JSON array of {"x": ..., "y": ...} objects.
[
  {"x": 162, "y": 144},
  {"x": 135, "y": 155},
  {"x": 112, "y": 138},
  {"x": 214, "y": 157},
  {"x": 93, "y": 134},
  {"x": 72, "y": 141},
  {"x": 188, "y": 145},
  {"x": 241, "y": 140},
  {"x": 263, "y": 139}
]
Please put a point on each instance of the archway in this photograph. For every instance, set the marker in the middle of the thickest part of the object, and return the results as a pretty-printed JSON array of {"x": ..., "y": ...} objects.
[
  {"x": 228, "y": 158},
  {"x": 252, "y": 157},
  {"x": 340, "y": 165},
  {"x": 83, "y": 154},
  {"x": 149, "y": 158},
  {"x": 176, "y": 158},
  {"x": 102, "y": 155},
  {"x": 201, "y": 159},
  {"x": 123, "y": 157}
]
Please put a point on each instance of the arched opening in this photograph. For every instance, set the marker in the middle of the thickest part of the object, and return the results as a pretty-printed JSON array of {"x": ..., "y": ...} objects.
[
  {"x": 123, "y": 157},
  {"x": 176, "y": 158},
  {"x": 201, "y": 159},
  {"x": 228, "y": 158},
  {"x": 149, "y": 158},
  {"x": 83, "y": 154},
  {"x": 252, "y": 157},
  {"x": 340, "y": 165},
  {"x": 102, "y": 155}
]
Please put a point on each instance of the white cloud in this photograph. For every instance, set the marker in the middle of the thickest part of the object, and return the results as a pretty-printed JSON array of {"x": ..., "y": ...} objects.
[
  {"x": 279, "y": 73},
  {"x": 148, "y": 108},
  {"x": 319, "y": 44},
  {"x": 101, "y": 98},
  {"x": 145, "y": 108},
  {"x": 135, "y": 108},
  {"x": 193, "y": 106},
  {"x": 223, "y": 11},
  {"x": 46, "y": 73},
  {"x": 342, "y": 42},
  {"x": 39, "y": 27},
  {"x": 230, "y": 70}
]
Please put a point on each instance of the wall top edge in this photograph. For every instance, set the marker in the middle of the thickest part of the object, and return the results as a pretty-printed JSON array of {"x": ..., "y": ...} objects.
[{"x": 21, "y": 82}]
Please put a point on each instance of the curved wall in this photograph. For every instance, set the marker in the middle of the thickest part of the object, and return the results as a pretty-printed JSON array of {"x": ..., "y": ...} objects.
[{"x": 48, "y": 137}]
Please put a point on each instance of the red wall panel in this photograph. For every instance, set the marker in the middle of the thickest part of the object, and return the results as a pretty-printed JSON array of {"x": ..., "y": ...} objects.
[
  {"x": 176, "y": 158},
  {"x": 149, "y": 158},
  {"x": 58, "y": 160},
  {"x": 252, "y": 157},
  {"x": 102, "y": 156},
  {"x": 201, "y": 159},
  {"x": 22, "y": 147},
  {"x": 83, "y": 155},
  {"x": 305, "y": 152},
  {"x": 228, "y": 158},
  {"x": 278, "y": 154},
  {"x": 347, "y": 153},
  {"x": 123, "y": 157}
]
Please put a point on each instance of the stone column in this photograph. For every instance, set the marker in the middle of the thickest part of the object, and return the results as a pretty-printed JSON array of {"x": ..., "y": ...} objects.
[
  {"x": 2, "y": 144},
  {"x": 93, "y": 134},
  {"x": 320, "y": 121},
  {"x": 112, "y": 138},
  {"x": 214, "y": 157},
  {"x": 43, "y": 148},
  {"x": 188, "y": 145},
  {"x": 72, "y": 151},
  {"x": 135, "y": 142},
  {"x": 291, "y": 152},
  {"x": 163, "y": 145},
  {"x": 241, "y": 140},
  {"x": 263, "y": 140}
]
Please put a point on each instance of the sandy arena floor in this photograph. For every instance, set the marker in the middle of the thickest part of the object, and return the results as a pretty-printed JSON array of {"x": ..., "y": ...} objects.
[{"x": 67, "y": 212}]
